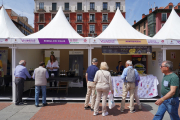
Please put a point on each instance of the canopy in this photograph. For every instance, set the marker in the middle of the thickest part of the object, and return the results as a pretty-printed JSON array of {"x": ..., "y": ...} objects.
[
  {"x": 119, "y": 28},
  {"x": 59, "y": 27},
  {"x": 7, "y": 27},
  {"x": 170, "y": 29}
]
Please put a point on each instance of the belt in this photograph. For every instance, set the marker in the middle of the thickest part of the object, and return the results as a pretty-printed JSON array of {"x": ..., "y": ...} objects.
[
  {"x": 90, "y": 81},
  {"x": 19, "y": 77}
]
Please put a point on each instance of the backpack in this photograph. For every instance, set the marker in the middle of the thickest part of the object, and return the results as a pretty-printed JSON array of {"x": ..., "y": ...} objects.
[{"x": 131, "y": 75}]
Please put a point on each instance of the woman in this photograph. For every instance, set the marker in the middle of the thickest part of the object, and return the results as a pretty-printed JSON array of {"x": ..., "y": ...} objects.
[
  {"x": 103, "y": 85},
  {"x": 53, "y": 67}
]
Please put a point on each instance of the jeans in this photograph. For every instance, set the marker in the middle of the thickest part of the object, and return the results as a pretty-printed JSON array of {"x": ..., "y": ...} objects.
[
  {"x": 37, "y": 91},
  {"x": 170, "y": 105}
]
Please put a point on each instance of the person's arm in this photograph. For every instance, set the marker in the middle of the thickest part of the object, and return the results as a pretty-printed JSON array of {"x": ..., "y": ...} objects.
[
  {"x": 33, "y": 75},
  {"x": 14, "y": 72},
  {"x": 122, "y": 68},
  {"x": 86, "y": 77},
  {"x": 96, "y": 77},
  {"x": 47, "y": 75},
  {"x": 137, "y": 75},
  {"x": 124, "y": 74},
  {"x": 47, "y": 66},
  {"x": 110, "y": 84},
  {"x": 56, "y": 65},
  {"x": 27, "y": 73}
]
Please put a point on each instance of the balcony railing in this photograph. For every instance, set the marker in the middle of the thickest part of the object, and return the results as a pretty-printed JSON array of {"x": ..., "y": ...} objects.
[
  {"x": 40, "y": 9},
  {"x": 79, "y": 21},
  {"x": 105, "y": 9},
  {"x": 121, "y": 9},
  {"x": 51, "y": 10},
  {"x": 106, "y": 20},
  {"x": 79, "y": 10},
  {"x": 66, "y": 9},
  {"x": 92, "y": 21},
  {"x": 92, "y": 9}
]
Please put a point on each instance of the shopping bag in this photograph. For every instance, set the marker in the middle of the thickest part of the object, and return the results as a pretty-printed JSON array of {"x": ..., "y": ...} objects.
[{"x": 111, "y": 101}]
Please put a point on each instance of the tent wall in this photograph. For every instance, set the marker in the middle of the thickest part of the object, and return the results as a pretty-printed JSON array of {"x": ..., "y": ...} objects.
[{"x": 176, "y": 60}]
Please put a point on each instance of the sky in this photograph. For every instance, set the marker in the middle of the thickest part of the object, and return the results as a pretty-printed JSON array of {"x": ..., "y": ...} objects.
[{"x": 134, "y": 8}]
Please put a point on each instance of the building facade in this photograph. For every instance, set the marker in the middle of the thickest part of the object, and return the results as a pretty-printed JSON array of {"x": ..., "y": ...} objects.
[
  {"x": 151, "y": 23},
  {"x": 89, "y": 18},
  {"x": 20, "y": 22}
]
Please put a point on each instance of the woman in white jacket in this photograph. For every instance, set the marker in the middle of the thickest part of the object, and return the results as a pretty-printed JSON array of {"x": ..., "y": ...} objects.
[{"x": 103, "y": 85}]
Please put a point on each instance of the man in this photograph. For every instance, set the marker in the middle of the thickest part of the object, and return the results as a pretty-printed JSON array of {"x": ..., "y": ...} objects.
[
  {"x": 129, "y": 76},
  {"x": 91, "y": 87},
  {"x": 20, "y": 74},
  {"x": 40, "y": 75},
  {"x": 120, "y": 68},
  {"x": 169, "y": 100}
]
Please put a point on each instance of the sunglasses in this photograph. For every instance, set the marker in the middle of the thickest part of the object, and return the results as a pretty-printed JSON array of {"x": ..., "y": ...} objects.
[{"x": 163, "y": 66}]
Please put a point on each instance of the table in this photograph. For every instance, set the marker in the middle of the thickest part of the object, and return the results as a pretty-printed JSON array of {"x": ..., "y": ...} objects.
[{"x": 147, "y": 87}]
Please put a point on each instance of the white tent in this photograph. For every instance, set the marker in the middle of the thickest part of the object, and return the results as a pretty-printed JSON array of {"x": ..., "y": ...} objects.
[
  {"x": 170, "y": 30},
  {"x": 119, "y": 28},
  {"x": 59, "y": 27},
  {"x": 7, "y": 27}
]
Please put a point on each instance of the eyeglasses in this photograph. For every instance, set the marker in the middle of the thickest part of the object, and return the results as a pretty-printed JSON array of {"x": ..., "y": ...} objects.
[{"x": 163, "y": 66}]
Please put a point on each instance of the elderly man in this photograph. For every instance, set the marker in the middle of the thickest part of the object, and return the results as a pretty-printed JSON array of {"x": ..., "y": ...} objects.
[
  {"x": 91, "y": 87},
  {"x": 20, "y": 74},
  {"x": 40, "y": 75},
  {"x": 169, "y": 100},
  {"x": 129, "y": 76}
]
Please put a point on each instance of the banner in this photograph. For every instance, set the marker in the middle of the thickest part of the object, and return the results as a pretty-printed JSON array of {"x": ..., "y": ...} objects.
[
  {"x": 132, "y": 42},
  {"x": 126, "y": 50},
  {"x": 5, "y": 41}
]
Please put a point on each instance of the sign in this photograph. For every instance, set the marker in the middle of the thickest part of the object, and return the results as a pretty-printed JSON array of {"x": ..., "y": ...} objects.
[
  {"x": 53, "y": 41},
  {"x": 132, "y": 42},
  {"x": 5, "y": 41},
  {"x": 153, "y": 55},
  {"x": 126, "y": 50},
  {"x": 173, "y": 55},
  {"x": 156, "y": 42},
  {"x": 76, "y": 52}
]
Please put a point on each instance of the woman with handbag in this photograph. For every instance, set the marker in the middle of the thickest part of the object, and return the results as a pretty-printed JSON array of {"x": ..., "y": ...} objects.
[{"x": 103, "y": 85}]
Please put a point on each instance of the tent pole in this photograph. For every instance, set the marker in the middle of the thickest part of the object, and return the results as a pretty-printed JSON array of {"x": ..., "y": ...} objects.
[
  {"x": 164, "y": 53},
  {"x": 13, "y": 77},
  {"x": 89, "y": 55}
]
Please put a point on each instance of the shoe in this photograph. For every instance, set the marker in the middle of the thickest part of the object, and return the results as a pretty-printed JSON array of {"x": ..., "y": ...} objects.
[
  {"x": 140, "y": 107},
  {"x": 128, "y": 107},
  {"x": 95, "y": 114},
  {"x": 88, "y": 107},
  {"x": 21, "y": 103},
  {"x": 37, "y": 105},
  {"x": 44, "y": 104},
  {"x": 92, "y": 109},
  {"x": 133, "y": 111},
  {"x": 122, "y": 111},
  {"x": 105, "y": 114}
]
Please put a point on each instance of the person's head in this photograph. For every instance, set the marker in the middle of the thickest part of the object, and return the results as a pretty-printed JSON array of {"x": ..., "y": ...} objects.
[
  {"x": 52, "y": 58},
  {"x": 104, "y": 66},
  {"x": 95, "y": 61},
  {"x": 128, "y": 63},
  {"x": 120, "y": 63},
  {"x": 42, "y": 64},
  {"x": 22, "y": 62},
  {"x": 166, "y": 67}
]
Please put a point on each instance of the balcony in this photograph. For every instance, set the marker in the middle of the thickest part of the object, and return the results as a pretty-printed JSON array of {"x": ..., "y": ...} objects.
[
  {"x": 66, "y": 9},
  {"x": 121, "y": 9},
  {"x": 92, "y": 9},
  {"x": 105, "y": 21},
  {"x": 40, "y": 10},
  {"x": 92, "y": 34},
  {"x": 51, "y": 10},
  {"x": 92, "y": 21},
  {"x": 105, "y": 9},
  {"x": 79, "y": 21},
  {"x": 79, "y": 10}
]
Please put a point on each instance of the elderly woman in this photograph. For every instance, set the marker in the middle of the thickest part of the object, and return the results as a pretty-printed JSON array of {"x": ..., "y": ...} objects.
[{"x": 103, "y": 85}]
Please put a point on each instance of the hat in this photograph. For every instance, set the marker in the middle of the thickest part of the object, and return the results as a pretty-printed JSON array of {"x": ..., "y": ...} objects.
[{"x": 94, "y": 60}]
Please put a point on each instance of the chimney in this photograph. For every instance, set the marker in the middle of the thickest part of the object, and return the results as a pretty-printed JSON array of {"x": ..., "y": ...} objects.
[
  {"x": 143, "y": 15},
  {"x": 156, "y": 7},
  {"x": 134, "y": 21},
  {"x": 150, "y": 10}
]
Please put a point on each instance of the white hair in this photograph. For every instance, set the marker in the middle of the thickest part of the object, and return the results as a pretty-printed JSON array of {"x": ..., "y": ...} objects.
[
  {"x": 129, "y": 62},
  {"x": 22, "y": 62}
]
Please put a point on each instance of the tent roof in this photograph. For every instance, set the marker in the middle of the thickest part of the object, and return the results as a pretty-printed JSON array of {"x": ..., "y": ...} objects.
[
  {"x": 7, "y": 27},
  {"x": 59, "y": 27},
  {"x": 170, "y": 29},
  {"x": 119, "y": 28}
]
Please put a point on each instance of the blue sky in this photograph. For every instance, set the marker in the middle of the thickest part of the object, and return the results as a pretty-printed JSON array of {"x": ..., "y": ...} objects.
[{"x": 134, "y": 8}]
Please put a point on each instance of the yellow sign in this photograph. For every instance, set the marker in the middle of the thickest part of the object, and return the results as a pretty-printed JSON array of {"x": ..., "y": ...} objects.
[{"x": 132, "y": 41}]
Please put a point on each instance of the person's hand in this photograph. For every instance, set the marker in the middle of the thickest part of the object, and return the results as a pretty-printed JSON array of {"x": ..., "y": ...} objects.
[
  {"x": 51, "y": 68},
  {"x": 159, "y": 102},
  {"x": 112, "y": 91}
]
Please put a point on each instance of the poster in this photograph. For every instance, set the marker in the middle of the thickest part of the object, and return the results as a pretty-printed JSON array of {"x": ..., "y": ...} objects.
[
  {"x": 3, "y": 60},
  {"x": 173, "y": 55},
  {"x": 153, "y": 55}
]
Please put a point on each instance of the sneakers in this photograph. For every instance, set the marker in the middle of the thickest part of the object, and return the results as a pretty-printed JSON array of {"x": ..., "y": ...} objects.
[
  {"x": 92, "y": 109},
  {"x": 44, "y": 104},
  {"x": 122, "y": 111},
  {"x": 95, "y": 114},
  {"x": 133, "y": 111},
  {"x": 140, "y": 108},
  {"x": 88, "y": 107},
  {"x": 37, "y": 105},
  {"x": 21, "y": 103},
  {"x": 105, "y": 114}
]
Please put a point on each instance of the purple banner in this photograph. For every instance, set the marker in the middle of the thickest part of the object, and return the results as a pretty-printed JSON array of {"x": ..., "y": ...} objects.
[{"x": 53, "y": 41}]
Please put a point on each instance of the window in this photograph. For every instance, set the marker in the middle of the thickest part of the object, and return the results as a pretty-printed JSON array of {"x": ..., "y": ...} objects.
[
  {"x": 117, "y": 5},
  {"x": 79, "y": 6},
  {"x": 104, "y": 17},
  {"x": 53, "y": 15},
  {"x": 41, "y": 27},
  {"x": 41, "y": 17},
  {"x": 79, "y": 28},
  {"x": 67, "y": 16},
  {"x": 179, "y": 7},
  {"x": 144, "y": 25},
  {"x": 104, "y": 27},
  {"x": 66, "y": 6},
  {"x": 54, "y": 5},
  {"x": 41, "y": 5},
  {"x": 170, "y": 6},
  {"x": 79, "y": 17},
  {"x": 145, "y": 32},
  {"x": 92, "y": 17},
  {"x": 92, "y": 6},
  {"x": 92, "y": 28},
  {"x": 164, "y": 17},
  {"x": 104, "y": 5},
  {"x": 139, "y": 27}
]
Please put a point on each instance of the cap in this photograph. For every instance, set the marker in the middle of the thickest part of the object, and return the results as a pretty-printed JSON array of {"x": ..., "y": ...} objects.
[{"x": 94, "y": 60}]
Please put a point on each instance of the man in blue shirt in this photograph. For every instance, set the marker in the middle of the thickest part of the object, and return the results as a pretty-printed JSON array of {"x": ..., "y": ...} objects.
[
  {"x": 128, "y": 86},
  {"x": 91, "y": 87},
  {"x": 120, "y": 68},
  {"x": 20, "y": 74}
]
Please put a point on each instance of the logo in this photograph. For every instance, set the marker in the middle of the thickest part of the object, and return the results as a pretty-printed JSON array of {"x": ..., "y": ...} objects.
[
  {"x": 178, "y": 42},
  {"x": 74, "y": 41},
  {"x": 28, "y": 41},
  {"x": 6, "y": 40},
  {"x": 94, "y": 41},
  {"x": 162, "y": 41},
  {"x": 134, "y": 41},
  {"x": 85, "y": 40},
  {"x": 107, "y": 41},
  {"x": 153, "y": 41}
]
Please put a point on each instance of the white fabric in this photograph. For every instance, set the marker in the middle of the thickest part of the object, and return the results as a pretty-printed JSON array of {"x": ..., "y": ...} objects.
[
  {"x": 40, "y": 76},
  {"x": 170, "y": 29},
  {"x": 59, "y": 27},
  {"x": 111, "y": 102},
  {"x": 147, "y": 87},
  {"x": 119, "y": 28},
  {"x": 7, "y": 27},
  {"x": 55, "y": 64}
]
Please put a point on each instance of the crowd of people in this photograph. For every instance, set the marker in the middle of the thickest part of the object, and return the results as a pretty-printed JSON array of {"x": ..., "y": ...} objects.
[{"x": 99, "y": 84}]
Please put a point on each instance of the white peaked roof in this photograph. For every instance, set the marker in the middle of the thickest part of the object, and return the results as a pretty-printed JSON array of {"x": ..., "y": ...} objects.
[
  {"x": 170, "y": 29},
  {"x": 119, "y": 28},
  {"x": 7, "y": 27},
  {"x": 59, "y": 27}
]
